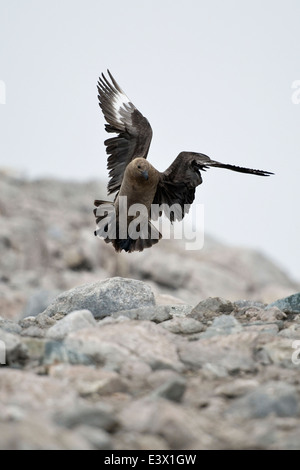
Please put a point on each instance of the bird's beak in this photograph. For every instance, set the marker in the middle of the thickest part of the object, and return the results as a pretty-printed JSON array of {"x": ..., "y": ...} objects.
[{"x": 145, "y": 174}]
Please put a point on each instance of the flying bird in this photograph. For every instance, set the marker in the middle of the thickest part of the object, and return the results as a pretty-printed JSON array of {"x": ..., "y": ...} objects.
[{"x": 136, "y": 182}]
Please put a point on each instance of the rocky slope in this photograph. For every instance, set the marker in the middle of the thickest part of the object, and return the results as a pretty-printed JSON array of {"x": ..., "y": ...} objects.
[
  {"x": 153, "y": 350},
  {"x": 47, "y": 246},
  {"x": 96, "y": 371}
]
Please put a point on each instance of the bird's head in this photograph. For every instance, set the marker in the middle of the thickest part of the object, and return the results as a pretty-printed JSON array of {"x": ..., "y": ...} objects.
[{"x": 139, "y": 169}]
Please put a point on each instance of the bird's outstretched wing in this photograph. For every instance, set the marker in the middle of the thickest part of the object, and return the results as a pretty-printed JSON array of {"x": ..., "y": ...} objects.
[
  {"x": 178, "y": 183},
  {"x": 133, "y": 129}
]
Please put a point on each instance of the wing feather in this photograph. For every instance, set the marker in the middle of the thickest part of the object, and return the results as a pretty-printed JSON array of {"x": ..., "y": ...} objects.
[
  {"x": 178, "y": 183},
  {"x": 133, "y": 130}
]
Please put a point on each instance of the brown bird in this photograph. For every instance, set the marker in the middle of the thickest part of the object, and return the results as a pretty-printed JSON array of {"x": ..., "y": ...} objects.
[{"x": 143, "y": 193}]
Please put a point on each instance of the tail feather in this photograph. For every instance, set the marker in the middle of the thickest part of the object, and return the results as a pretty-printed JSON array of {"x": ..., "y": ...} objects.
[{"x": 108, "y": 230}]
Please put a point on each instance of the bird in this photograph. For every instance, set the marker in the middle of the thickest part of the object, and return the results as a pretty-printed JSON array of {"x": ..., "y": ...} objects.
[{"x": 136, "y": 182}]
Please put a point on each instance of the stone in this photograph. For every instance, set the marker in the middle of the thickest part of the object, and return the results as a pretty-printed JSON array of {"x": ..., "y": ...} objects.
[
  {"x": 183, "y": 325},
  {"x": 74, "y": 321},
  {"x": 225, "y": 353},
  {"x": 139, "y": 441},
  {"x": 38, "y": 302},
  {"x": 210, "y": 308},
  {"x": 222, "y": 325},
  {"x": 89, "y": 380},
  {"x": 98, "y": 438},
  {"x": 236, "y": 388},
  {"x": 35, "y": 433},
  {"x": 157, "y": 314},
  {"x": 160, "y": 417},
  {"x": 12, "y": 351},
  {"x": 276, "y": 398},
  {"x": 114, "y": 344},
  {"x": 280, "y": 352},
  {"x": 9, "y": 325},
  {"x": 291, "y": 332},
  {"x": 171, "y": 390},
  {"x": 96, "y": 415},
  {"x": 103, "y": 298},
  {"x": 290, "y": 304}
]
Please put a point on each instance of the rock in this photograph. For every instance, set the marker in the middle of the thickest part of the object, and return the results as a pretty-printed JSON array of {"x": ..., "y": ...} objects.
[
  {"x": 171, "y": 390},
  {"x": 139, "y": 441},
  {"x": 12, "y": 351},
  {"x": 37, "y": 434},
  {"x": 72, "y": 322},
  {"x": 237, "y": 387},
  {"x": 222, "y": 325},
  {"x": 98, "y": 438},
  {"x": 276, "y": 398},
  {"x": 292, "y": 332},
  {"x": 56, "y": 352},
  {"x": 279, "y": 352},
  {"x": 9, "y": 325},
  {"x": 228, "y": 354},
  {"x": 210, "y": 308},
  {"x": 290, "y": 304},
  {"x": 245, "y": 304},
  {"x": 160, "y": 417},
  {"x": 103, "y": 298},
  {"x": 157, "y": 314},
  {"x": 117, "y": 343},
  {"x": 89, "y": 381},
  {"x": 38, "y": 302},
  {"x": 183, "y": 325},
  {"x": 34, "y": 394},
  {"x": 95, "y": 415},
  {"x": 35, "y": 350}
]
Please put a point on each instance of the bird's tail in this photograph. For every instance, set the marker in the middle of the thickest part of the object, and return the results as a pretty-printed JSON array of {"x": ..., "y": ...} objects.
[{"x": 109, "y": 230}]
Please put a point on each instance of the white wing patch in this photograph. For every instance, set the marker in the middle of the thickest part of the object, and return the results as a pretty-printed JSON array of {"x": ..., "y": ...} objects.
[{"x": 121, "y": 103}]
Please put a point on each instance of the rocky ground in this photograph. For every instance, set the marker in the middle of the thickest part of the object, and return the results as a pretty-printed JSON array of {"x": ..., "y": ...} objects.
[
  {"x": 154, "y": 350},
  {"x": 106, "y": 367}
]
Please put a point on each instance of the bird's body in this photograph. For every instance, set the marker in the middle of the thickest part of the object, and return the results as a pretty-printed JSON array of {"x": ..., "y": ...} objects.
[{"x": 142, "y": 191}]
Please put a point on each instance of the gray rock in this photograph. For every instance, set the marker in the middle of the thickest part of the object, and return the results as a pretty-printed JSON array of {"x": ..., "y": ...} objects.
[
  {"x": 139, "y": 441},
  {"x": 34, "y": 331},
  {"x": 98, "y": 438},
  {"x": 157, "y": 314},
  {"x": 223, "y": 354},
  {"x": 35, "y": 349},
  {"x": 183, "y": 325},
  {"x": 35, "y": 433},
  {"x": 9, "y": 325},
  {"x": 57, "y": 351},
  {"x": 103, "y": 298},
  {"x": 276, "y": 398},
  {"x": 89, "y": 381},
  {"x": 290, "y": 304},
  {"x": 161, "y": 417},
  {"x": 115, "y": 344},
  {"x": 291, "y": 332},
  {"x": 245, "y": 304},
  {"x": 12, "y": 351},
  {"x": 171, "y": 390},
  {"x": 210, "y": 308},
  {"x": 222, "y": 325},
  {"x": 95, "y": 415},
  {"x": 74, "y": 321},
  {"x": 38, "y": 302}
]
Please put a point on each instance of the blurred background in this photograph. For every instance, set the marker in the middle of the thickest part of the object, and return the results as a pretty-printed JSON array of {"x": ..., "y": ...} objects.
[{"x": 211, "y": 76}]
